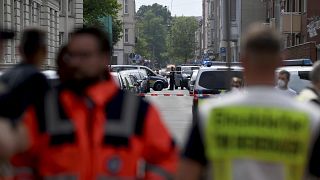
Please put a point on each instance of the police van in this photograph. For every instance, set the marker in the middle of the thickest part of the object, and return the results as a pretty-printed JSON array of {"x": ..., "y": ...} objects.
[{"x": 212, "y": 81}]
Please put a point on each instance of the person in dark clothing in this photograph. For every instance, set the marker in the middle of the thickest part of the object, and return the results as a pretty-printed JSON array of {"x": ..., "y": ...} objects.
[
  {"x": 172, "y": 79},
  {"x": 24, "y": 84}
]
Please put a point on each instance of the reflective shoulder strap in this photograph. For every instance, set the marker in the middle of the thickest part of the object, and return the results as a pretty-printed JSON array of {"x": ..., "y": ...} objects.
[
  {"x": 126, "y": 125},
  {"x": 55, "y": 125},
  {"x": 159, "y": 171}
]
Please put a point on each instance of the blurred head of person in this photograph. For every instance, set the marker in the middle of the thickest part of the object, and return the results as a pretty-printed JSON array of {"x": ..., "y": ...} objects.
[
  {"x": 260, "y": 55},
  {"x": 283, "y": 79},
  {"x": 315, "y": 76},
  {"x": 33, "y": 46},
  {"x": 4, "y": 35},
  {"x": 64, "y": 70},
  {"x": 89, "y": 54},
  {"x": 236, "y": 83}
]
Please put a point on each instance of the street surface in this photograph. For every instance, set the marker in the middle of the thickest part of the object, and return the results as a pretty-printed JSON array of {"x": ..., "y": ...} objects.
[{"x": 176, "y": 112}]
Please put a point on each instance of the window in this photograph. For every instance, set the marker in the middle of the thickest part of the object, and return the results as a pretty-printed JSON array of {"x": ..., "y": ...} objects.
[
  {"x": 216, "y": 80},
  {"x": 61, "y": 37},
  {"x": 126, "y": 35},
  {"x": 70, "y": 7},
  {"x": 62, "y": 7},
  {"x": 233, "y": 10},
  {"x": 149, "y": 72},
  {"x": 36, "y": 13},
  {"x": 126, "y": 7}
]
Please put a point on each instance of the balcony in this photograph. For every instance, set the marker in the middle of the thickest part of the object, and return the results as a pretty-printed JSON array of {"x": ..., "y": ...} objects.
[{"x": 290, "y": 22}]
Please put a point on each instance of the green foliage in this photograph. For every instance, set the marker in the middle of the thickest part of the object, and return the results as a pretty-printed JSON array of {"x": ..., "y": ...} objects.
[
  {"x": 94, "y": 10},
  {"x": 181, "y": 40},
  {"x": 163, "y": 38},
  {"x": 152, "y": 23}
]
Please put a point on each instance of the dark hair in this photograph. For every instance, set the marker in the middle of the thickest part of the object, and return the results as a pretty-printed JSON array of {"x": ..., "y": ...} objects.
[
  {"x": 63, "y": 70},
  {"x": 61, "y": 55},
  {"x": 100, "y": 35},
  {"x": 33, "y": 41},
  {"x": 285, "y": 72},
  {"x": 261, "y": 39}
]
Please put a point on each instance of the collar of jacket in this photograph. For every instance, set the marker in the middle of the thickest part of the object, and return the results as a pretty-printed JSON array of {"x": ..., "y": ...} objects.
[{"x": 102, "y": 92}]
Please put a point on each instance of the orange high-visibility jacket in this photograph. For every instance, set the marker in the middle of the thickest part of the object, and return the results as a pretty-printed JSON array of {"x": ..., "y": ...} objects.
[{"x": 106, "y": 135}]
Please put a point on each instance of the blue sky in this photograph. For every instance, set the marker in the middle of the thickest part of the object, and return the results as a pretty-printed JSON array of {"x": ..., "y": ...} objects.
[{"x": 179, "y": 7}]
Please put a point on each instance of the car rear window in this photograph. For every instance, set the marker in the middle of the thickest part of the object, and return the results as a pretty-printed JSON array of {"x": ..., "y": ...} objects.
[{"x": 217, "y": 80}]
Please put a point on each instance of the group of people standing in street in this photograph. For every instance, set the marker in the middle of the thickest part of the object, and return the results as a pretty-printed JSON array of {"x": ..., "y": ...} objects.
[{"x": 87, "y": 128}]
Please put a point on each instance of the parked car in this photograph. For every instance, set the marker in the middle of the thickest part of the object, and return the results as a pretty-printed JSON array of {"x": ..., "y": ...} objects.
[
  {"x": 129, "y": 82},
  {"x": 183, "y": 75},
  {"x": 117, "y": 78},
  {"x": 192, "y": 80},
  {"x": 142, "y": 79},
  {"x": 156, "y": 82},
  {"x": 212, "y": 81}
]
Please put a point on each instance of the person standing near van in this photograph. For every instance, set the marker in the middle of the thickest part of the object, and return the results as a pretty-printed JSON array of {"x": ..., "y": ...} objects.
[
  {"x": 260, "y": 134},
  {"x": 283, "y": 83},
  {"x": 172, "y": 82}
]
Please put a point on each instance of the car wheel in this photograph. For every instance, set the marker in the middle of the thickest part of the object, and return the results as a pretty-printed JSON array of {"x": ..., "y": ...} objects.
[{"x": 158, "y": 86}]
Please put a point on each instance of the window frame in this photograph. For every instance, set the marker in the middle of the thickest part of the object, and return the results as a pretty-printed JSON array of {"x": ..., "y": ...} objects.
[
  {"x": 125, "y": 6},
  {"x": 126, "y": 35}
]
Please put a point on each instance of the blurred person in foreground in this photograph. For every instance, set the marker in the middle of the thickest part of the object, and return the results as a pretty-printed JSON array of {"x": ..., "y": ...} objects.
[
  {"x": 24, "y": 84},
  {"x": 91, "y": 129},
  {"x": 261, "y": 134},
  {"x": 312, "y": 93},
  {"x": 18, "y": 92},
  {"x": 9, "y": 136},
  {"x": 283, "y": 83}
]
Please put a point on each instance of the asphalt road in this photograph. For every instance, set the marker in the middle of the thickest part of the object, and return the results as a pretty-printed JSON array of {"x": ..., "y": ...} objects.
[{"x": 176, "y": 112}]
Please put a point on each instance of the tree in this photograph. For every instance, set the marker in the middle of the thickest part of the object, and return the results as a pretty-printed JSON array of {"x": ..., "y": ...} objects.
[
  {"x": 94, "y": 10},
  {"x": 152, "y": 23},
  {"x": 181, "y": 40}
]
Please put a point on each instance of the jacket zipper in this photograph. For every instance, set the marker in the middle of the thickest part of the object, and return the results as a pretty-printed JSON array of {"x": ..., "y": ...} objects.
[{"x": 90, "y": 119}]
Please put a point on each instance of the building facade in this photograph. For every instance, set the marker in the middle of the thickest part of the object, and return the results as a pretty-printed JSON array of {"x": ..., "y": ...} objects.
[
  {"x": 242, "y": 13},
  {"x": 49, "y": 15},
  {"x": 125, "y": 46},
  {"x": 299, "y": 23}
]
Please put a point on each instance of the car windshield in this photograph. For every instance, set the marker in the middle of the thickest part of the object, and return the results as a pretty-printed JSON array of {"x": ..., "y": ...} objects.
[{"x": 216, "y": 80}]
